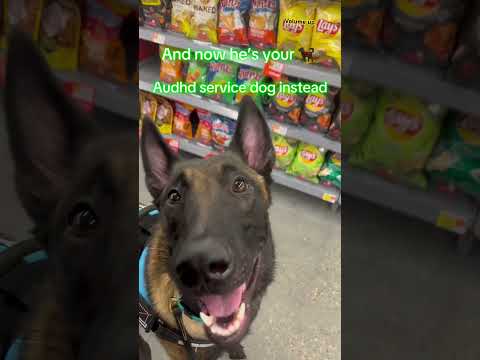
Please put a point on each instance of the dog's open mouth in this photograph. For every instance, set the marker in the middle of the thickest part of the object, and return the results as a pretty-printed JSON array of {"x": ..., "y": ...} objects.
[{"x": 226, "y": 315}]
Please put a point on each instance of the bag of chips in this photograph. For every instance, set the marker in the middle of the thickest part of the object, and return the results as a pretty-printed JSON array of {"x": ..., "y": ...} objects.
[
  {"x": 317, "y": 112},
  {"x": 203, "y": 134},
  {"x": 285, "y": 150},
  {"x": 286, "y": 107},
  {"x": 221, "y": 73},
  {"x": 197, "y": 73},
  {"x": 59, "y": 35},
  {"x": 295, "y": 27},
  {"x": 164, "y": 116},
  {"x": 182, "y": 14},
  {"x": 156, "y": 13},
  {"x": 182, "y": 126},
  {"x": 263, "y": 24},
  {"x": 335, "y": 130},
  {"x": 204, "y": 20},
  {"x": 331, "y": 172},
  {"x": 327, "y": 35},
  {"x": 248, "y": 76},
  {"x": 307, "y": 162},
  {"x": 170, "y": 70},
  {"x": 148, "y": 107},
  {"x": 362, "y": 21},
  {"x": 223, "y": 130},
  {"x": 232, "y": 22}
]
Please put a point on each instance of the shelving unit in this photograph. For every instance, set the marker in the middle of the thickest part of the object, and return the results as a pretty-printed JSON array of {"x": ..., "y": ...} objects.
[
  {"x": 425, "y": 83},
  {"x": 295, "y": 68},
  {"x": 149, "y": 74},
  {"x": 331, "y": 195}
]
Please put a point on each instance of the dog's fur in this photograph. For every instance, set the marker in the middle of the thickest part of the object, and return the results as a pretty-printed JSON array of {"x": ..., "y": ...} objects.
[
  {"x": 65, "y": 167},
  {"x": 210, "y": 209}
]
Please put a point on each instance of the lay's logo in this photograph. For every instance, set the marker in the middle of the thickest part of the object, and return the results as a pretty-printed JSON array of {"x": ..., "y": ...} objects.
[
  {"x": 308, "y": 156},
  {"x": 281, "y": 150},
  {"x": 327, "y": 27},
  {"x": 293, "y": 27}
]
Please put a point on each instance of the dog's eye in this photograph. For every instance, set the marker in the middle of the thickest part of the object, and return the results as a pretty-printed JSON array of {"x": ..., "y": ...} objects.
[
  {"x": 174, "y": 196},
  {"x": 83, "y": 217},
  {"x": 239, "y": 185}
]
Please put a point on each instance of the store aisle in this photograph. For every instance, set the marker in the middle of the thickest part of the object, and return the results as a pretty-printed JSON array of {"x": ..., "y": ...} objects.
[{"x": 300, "y": 316}]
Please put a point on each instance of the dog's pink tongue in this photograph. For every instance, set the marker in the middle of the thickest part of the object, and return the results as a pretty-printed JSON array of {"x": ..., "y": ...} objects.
[{"x": 224, "y": 305}]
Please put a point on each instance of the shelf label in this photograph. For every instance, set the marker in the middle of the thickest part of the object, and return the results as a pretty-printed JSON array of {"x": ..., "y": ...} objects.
[
  {"x": 448, "y": 221},
  {"x": 329, "y": 198},
  {"x": 279, "y": 129},
  {"x": 158, "y": 38},
  {"x": 273, "y": 69}
]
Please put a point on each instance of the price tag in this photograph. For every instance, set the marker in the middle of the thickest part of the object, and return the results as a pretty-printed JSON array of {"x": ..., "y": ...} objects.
[
  {"x": 279, "y": 129},
  {"x": 451, "y": 222},
  {"x": 158, "y": 38},
  {"x": 174, "y": 144},
  {"x": 274, "y": 69},
  {"x": 151, "y": 2},
  {"x": 329, "y": 198},
  {"x": 210, "y": 154}
]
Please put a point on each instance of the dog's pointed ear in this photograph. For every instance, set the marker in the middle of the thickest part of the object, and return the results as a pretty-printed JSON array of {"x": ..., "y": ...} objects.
[
  {"x": 252, "y": 139},
  {"x": 157, "y": 158},
  {"x": 45, "y": 129}
]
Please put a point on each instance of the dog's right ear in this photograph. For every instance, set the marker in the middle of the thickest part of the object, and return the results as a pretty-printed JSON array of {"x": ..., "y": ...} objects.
[
  {"x": 45, "y": 128},
  {"x": 157, "y": 158}
]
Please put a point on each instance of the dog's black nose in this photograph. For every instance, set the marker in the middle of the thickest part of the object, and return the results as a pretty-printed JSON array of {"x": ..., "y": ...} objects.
[{"x": 202, "y": 262}]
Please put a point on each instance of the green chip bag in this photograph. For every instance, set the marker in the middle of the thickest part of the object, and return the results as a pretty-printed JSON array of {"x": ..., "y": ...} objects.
[
  {"x": 222, "y": 73},
  {"x": 197, "y": 73},
  {"x": 401, "y": 138},
  {"x": 357, "y": 106},
  {"x": 285, "y": 149},
  {"x": 331, "y": 172},
  {"x": 307, "y": 162}
]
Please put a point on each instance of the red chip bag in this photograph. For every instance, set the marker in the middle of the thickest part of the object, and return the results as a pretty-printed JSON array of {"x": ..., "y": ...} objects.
[
  {"x": 204, "y": 129},
  {"x": 182, "y": 126},
  {"x": 263, "y": 23},
  {"x": 232, "y": 22}
]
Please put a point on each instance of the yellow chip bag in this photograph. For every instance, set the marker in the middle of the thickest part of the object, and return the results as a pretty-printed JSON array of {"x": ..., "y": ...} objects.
[
  {"x": 327, "y": 35},
  {"x": 181, "y": 18},
  {"x": 295, "y": 27},
  {"x": 204, "y": 21}
]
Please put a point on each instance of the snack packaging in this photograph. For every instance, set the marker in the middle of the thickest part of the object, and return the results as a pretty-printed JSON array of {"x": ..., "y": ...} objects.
[
  {"x": 197, "y": 73},
  {"x": 327, "y": 35},
  {"x": 295, "y": 27},
  {"x": 203, "y": 134},
  {"x": 286, "y": 107},
  {"x": 156, "y": 13},
  {"x": 204, "y": 20},
  {"x": 331, "y": 172},
  {"x": 285, "y": 150},
  {"x": 182, "y": 126},
  {"x": 423, "y": 32},
  {"x": 59, "y": 34},
  {"x": 317, "y": 112},
  {"x": 307, "y": 162},
  {"x": 182, "y": 15},
  {"x": 335, "y": 130},
  {"x": 362, "y": 21},
  {"x": 400, "y": 139},
  {"x": 456, "y": 159},
  {"x": 221, "y": 73},
  {"x": 148, "y": 107},
  {"x": 164, "y": 116},
  {"x": 102, "y": 51},
  {"x": 262, "y": 24},
  {"x": 24, "y": 15},
  {"x": 223, "y": 130},
  {"x": 248, "y": 76},
  {"x": 170, "y": 70},
  {"x": 232, "y": 22},
  {"x": 357, "y": 106}
]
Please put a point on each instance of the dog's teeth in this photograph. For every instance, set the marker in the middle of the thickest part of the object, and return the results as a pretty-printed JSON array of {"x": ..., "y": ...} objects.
[
  {"x": 241, "y": 312},
  {"x": 207, "y": 320},
  {"x": 218, "y": 330}
]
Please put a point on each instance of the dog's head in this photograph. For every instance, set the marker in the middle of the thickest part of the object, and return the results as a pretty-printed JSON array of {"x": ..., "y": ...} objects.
[
  {"x": 80, "y": 187},
  {"x": 214, "y": 215}
]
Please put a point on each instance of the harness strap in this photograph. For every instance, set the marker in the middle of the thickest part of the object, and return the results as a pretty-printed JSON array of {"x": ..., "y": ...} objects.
[{"x": 177, "y": 312}]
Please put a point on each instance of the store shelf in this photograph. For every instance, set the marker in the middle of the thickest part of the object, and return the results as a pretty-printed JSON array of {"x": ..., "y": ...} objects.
[
  {"x": 295, "y": 68},
  {"x": 328, "y": 194},
  {"x": 455, "y": 213},
  {"x": 149, "y": 74},
  {"x": 425, "y": 83},
  {"x": 125, "y": 101}
]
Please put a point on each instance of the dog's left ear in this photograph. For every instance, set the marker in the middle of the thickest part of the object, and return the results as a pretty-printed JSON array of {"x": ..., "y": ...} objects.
[{"x": 252, "y": 138}]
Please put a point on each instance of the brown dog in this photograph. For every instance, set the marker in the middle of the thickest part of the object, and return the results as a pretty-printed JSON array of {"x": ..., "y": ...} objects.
[{"x": 212, "y": 246}]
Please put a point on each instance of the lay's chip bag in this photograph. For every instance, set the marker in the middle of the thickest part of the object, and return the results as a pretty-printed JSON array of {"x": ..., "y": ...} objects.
[
  {"x": 295, "y": 27},
  {"x": 327, "y": 35},
  {"x": 308, "y": 162},
  {"x": 285, "y": 150}
]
